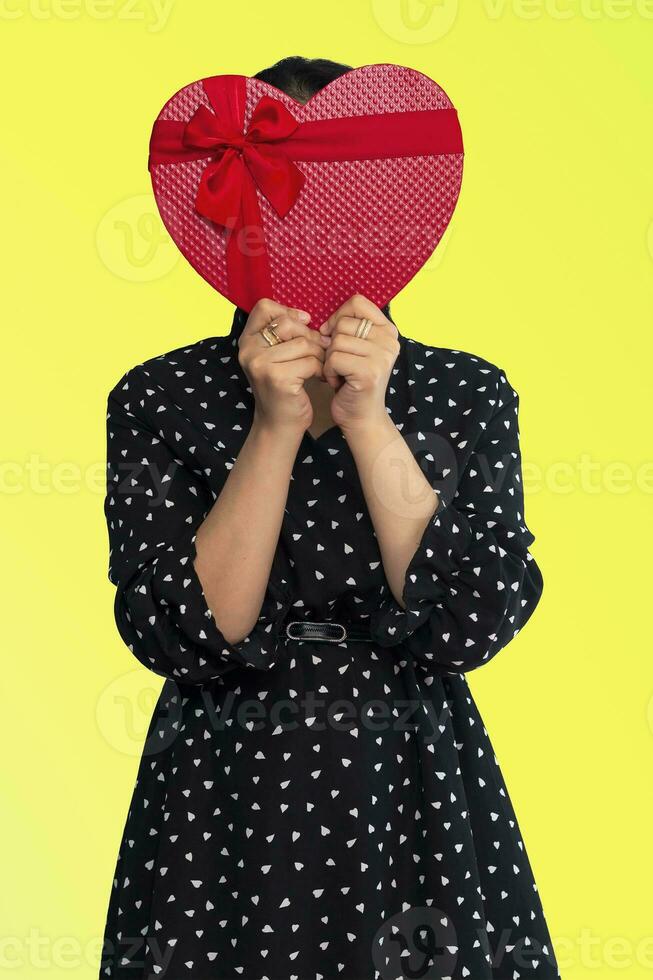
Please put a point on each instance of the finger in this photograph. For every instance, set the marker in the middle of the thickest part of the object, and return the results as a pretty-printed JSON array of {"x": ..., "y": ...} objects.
[
  {"x": 287, "y": 328},
  {"x": 309, "y": 367},
  {"x": 357, "y": 306},
  {"x": 267, "y": 310},
  {"x": 345, "y": 344},
  {"x": 379, "y": 334},
  {"x": 297, "y": 347},
  {"x": 339, "y": 366}
]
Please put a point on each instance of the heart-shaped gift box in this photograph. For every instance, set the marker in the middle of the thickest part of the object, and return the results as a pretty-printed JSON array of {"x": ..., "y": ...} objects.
[{"x": 308, "y": 204}]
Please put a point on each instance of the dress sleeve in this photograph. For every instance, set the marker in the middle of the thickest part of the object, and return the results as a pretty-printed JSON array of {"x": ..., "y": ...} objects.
[
  {"x": 472, "y": 583},
  {"x": 154, "y": 506}
]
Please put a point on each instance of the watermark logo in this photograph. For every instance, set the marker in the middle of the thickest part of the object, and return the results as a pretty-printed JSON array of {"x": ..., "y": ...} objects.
[
  {"x": 436, "y": 257},
  {"x": 419, "y": 943},
  {"x": 437, "y": 461},
  {"x": 415, "y": 21},
  {"x": 124, "y": 711},
  {"x": 133, "y": 243}
]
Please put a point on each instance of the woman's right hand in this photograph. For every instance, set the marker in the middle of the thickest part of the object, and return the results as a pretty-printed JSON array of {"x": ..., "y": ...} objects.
[{"x": 277, "y": 374}]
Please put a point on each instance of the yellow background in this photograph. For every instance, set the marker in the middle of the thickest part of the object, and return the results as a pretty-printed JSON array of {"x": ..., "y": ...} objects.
[{"x": 546, "y": 271}]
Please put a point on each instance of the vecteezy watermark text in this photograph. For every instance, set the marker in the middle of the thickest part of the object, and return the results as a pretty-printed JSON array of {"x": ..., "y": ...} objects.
[
  {"x": 153, "y": 13},
  {"x": 427, "y": 21},
  {"x": 124, "y": 710},
  {"x": 41, "y": 476}
]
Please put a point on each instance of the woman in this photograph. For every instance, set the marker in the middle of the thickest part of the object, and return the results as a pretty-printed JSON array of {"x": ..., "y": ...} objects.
[{"x": 319, "y": 797}]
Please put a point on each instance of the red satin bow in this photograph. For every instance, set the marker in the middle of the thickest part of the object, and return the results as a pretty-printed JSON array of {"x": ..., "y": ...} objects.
[{"x": 243, "y": 162}]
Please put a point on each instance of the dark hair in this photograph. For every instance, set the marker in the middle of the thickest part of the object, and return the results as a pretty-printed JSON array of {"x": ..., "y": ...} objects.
[{"x": 300, "y": 78}]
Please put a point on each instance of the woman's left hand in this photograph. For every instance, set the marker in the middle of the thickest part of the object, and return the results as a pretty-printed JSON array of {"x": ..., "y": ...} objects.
[{"x": 358, "y": 369}]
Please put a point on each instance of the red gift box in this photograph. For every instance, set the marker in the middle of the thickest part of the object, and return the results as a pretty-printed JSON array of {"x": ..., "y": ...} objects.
[{"x": 308, "y": 204}]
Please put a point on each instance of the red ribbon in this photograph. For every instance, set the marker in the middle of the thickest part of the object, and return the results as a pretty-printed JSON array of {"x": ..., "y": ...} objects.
[{"x": 263, "y": 157}]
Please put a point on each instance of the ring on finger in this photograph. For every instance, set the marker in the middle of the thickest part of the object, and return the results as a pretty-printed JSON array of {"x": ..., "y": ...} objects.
[
  {"x": 270, "y": 335},
  {"x": 363, "y": 328}
]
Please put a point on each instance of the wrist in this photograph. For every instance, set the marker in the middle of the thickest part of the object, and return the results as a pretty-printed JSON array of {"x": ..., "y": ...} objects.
[
  {"x": 364, "y": 431},
  {"x": 274, "y": 435}
]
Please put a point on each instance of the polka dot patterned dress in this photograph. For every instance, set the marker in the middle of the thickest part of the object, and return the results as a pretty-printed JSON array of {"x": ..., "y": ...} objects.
[{"x": 308, "y": 810}]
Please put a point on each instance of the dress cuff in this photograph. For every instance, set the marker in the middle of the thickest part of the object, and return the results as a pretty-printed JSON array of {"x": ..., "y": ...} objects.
[
  {"x": 178, "y": 593},
  {"x": 439, "y": 552}
]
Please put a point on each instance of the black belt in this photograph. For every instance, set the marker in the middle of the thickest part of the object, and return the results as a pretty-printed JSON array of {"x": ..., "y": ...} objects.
[{"x": 326, "y": 631}]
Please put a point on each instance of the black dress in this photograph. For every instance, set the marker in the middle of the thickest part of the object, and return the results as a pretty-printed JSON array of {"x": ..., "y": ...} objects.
[{"x": 306, "y": 809}]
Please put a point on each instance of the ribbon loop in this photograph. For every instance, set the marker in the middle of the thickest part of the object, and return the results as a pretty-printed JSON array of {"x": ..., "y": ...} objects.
[{"x": 223, "y": 183}]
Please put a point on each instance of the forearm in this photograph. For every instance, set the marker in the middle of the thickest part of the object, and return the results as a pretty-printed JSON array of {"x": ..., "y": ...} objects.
[
  {"x": 399, "y": 498},
  {"x": 236, "y": 542}
]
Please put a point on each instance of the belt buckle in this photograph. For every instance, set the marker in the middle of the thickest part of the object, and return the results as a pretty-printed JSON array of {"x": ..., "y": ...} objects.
[{"x": 312, "y": 631}]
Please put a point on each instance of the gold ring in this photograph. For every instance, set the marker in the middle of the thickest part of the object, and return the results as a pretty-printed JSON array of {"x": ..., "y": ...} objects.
[
  {"x": 363, "y": 328},
  {"x": 270, "y": 335}
]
